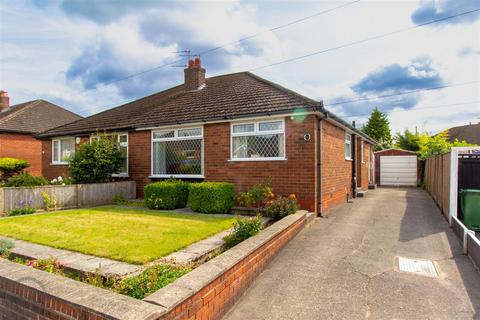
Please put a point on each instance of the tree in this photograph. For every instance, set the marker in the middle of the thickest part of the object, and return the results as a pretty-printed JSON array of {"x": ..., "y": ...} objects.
[
  {"x": 378, "y": 127},
  {"x": 409, "y": 141},
  {"x": 96, "y": 161}
]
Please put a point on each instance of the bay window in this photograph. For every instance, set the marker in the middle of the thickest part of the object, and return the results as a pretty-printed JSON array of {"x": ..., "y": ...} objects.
[
  {"x": 62, "y": 149},
  {"x": 177, "y": 153},
  {"x": 259, "y": 140}
]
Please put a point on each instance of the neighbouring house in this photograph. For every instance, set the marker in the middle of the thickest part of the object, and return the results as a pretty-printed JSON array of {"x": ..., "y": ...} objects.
[
  {"x": 19, "y": 125},
  {"x": 235, "y": 127},
  {"x": 396, "y": 167},
  {"x": 469, "y": 133}
]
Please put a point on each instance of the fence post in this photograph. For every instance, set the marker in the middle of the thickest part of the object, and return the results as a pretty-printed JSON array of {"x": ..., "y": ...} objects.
[
  {"x": 2, "y": 201},
  {"x": 79, "y": 191}
]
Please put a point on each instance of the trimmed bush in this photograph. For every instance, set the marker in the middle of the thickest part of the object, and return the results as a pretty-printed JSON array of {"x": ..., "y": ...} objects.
[
  {"x": 11, "y": 166},
  {"x": 243, "y": 229},
  {"x": 25, "y": 180},
  {"x": 169, "y": 194},
  {"x": 211, "y": 197},
  {"x": 95, "y": 162},
  {"x": 282, "y": 207}
]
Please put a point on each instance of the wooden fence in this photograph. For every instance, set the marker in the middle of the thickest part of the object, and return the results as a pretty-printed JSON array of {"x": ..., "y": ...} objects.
[
  {"x": 70, "y": 196},
  {"x": 437, "y": 181}
]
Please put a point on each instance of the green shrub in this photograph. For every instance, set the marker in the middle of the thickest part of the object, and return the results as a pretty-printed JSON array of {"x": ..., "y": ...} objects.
[
  {"x": 281, "y": 207},
  {"x": 211, "y": 197},
  {"x": 119, "y": 199},
  {"x": 5, "y": 246},
  {"x": 25, "y": 180},
  {"x": 21, "y": 211},
  {"x": 169, "y": 194},
  {"x": 11, "y": 166},
  {"x": 243, "y": 229},
  {"x": 60, "y": 181},
  {"x": 150, "y": 280},
  {"x": 49, "y": 203},
  {"x": 257, "y": 196},
  {"x": 96, "y": 161}
]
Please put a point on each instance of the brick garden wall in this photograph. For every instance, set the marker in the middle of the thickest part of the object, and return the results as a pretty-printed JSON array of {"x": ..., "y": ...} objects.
[
  {"x": 23, "y": 146},
  {"x": 27, "y": 293},
  {"x": 336, "y": 170},
  {"x": 295, "y": 175},
  {"x": 214, "y": 299}
]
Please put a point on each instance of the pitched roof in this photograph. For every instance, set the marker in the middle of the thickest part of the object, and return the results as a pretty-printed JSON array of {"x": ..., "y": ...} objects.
[
  {"x": 224, "y": 97},
  {"x": 34, "y": 117},
  {"x": 469, "y": 133}
]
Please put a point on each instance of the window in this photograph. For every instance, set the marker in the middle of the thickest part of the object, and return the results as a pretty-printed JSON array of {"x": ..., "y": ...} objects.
[
  {"x": 348, "y": 146},
  {"x": 363, "y": 159},
  {"x": 122, "y": 142},
  {"x": 177, "y": 153},
  {"x": 62, "y": 149},
  {"x": 263, "y": 140}
]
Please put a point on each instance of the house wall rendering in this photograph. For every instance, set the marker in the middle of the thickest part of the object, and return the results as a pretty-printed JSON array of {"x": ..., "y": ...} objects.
[{"x": 22, "y": 146}]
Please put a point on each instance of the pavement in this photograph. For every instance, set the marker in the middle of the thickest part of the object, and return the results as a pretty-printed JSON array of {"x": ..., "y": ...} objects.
[{"x": 343, "y": 266}]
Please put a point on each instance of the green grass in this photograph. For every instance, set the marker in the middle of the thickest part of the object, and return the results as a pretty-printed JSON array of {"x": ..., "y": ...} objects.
[{"x": 131, "y": 235}]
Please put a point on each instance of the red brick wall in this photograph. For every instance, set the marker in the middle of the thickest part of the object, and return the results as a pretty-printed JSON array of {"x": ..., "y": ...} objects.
[
  {"x": 363, "y": 167},
  {"x": 22, "y": 146},
  {"x": 214, "y": 300},
  {"x": 49, "y": 170},
  {"x": 336, "y": 170},
  {"x": 295, "y": 175},
  {"x": 392, "y": 152},
  {"x": 18, "y": 301},
  {"x": 139, "y": 154}
]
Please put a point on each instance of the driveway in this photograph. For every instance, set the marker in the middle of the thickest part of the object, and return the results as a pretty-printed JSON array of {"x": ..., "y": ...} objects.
[{"x": 342, "y": 267}]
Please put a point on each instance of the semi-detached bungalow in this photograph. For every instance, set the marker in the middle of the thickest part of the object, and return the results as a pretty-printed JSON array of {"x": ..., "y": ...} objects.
[{"x": 236, "y": 127}]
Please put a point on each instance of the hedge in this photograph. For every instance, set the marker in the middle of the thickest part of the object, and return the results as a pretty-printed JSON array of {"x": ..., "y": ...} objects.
[
  {"x": 169, "y": 194},
  {"x": 11, "y": 166},
  {"x": 211, "y": 197}
]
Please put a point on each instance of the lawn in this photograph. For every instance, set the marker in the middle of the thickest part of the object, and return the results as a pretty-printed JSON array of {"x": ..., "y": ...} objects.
[{"x": 131, "y": 235}]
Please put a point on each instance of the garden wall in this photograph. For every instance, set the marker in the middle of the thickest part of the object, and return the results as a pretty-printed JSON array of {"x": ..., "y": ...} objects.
[
  {"x": 204, "y": 293},
  {"x": 69, "y": 196}
]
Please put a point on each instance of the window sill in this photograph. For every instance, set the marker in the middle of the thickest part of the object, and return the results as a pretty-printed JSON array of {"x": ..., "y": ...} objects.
[
  {"x": 257, "y": 159},
  {"x": 348, "y": 159},
  {"x": 186, "y": 176},
  {"x": 120, "y": 175},
  {"x": 59, "y": 163}
]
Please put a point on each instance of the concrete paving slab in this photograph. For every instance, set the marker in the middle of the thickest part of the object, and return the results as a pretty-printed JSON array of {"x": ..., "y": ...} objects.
[{"x": 342, "y": 267}]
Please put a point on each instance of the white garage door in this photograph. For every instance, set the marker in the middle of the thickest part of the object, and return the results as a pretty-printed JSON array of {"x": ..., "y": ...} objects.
[{"x": 398, "y": 171}]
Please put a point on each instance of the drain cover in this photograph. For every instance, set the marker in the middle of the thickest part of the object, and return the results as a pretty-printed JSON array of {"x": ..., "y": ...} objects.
[{"x": 417, "y": 266}]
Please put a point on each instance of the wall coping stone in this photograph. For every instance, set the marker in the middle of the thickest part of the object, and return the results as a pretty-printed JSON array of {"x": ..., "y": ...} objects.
[
  {"x": 97, "y": 300},
  {"x": 183, "y": 288}
]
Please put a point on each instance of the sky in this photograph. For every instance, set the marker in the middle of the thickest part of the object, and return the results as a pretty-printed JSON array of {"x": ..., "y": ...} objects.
[{"x": 81, "y": 54}]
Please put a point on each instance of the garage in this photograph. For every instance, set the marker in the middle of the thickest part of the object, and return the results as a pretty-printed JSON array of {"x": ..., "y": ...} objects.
[{"x": 394, "y": 167}]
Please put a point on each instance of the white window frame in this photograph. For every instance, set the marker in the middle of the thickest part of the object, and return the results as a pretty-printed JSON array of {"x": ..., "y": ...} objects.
[
  {"x": 59, "y": 151},
  {"x": 177, "y": 138},
  {"x": 117, "y": 134},
  {"x": 257, "y": 132},
  {"x": 349, "y": 143},
  {"x": 363, "y": 157}
]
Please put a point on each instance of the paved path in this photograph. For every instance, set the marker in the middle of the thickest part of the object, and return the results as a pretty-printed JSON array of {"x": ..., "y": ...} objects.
[{"x": 342, "y": 266}]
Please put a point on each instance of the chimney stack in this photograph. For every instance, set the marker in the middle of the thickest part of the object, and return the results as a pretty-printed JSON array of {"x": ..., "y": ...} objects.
[
  {"x": 4, "y": 101},
  {"x": 194, "y": 75}
]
